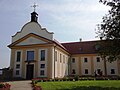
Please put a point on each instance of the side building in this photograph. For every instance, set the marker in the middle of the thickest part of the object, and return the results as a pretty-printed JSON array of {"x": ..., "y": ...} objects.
[
  {"x": 85, "y": 61},
  {"x": 35, "y": 53}
]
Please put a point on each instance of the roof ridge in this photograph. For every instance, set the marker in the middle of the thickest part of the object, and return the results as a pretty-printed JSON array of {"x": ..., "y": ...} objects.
[{"x": 80, "y": 42}]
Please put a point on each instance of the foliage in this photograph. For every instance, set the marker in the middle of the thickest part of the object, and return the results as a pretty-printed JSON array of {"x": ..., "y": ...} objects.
[
  {"x": 109, "y": 30},
  {"x": 5, "y": 86},
  {"x": 81, "y": 85}
]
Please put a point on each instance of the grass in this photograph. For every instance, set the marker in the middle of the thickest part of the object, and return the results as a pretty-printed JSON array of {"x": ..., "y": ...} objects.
[{"x": 81, "y": 85}]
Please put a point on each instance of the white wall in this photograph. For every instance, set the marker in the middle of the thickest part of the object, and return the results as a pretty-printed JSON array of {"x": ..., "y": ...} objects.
[
  {"x": 98, "y": 65},
  {"x": 75, "y": 65},
  {"x": 61, "y": 68},
  {"x": 86, "y": 65},
  {"x": 110, "y": 66}
]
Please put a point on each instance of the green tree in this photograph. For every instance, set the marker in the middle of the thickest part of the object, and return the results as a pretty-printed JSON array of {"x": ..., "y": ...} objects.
[{"x": 109, "y": 31}]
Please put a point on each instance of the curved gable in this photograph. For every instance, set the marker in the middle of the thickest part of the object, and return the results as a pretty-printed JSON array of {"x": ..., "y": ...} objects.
[{"x": 35, "y": 28}]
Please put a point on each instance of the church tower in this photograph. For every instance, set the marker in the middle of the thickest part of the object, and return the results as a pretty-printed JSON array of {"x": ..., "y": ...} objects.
[{"x": 34, "y": 17}]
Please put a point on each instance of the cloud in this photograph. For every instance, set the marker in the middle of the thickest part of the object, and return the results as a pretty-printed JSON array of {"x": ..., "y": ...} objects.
[
  {"x": 72, "y": 6},
  {"x": 76, "y": 17},
  {"x": 74, "y": 13}
]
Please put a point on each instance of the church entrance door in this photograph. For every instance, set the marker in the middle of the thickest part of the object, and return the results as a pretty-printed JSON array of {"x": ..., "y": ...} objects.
[{"x": 29, "y": 71}]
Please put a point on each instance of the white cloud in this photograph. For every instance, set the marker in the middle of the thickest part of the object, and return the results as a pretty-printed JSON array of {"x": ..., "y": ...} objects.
[
  {"x": 72, "y": 6},
  {"x": 77, "y": 16}
]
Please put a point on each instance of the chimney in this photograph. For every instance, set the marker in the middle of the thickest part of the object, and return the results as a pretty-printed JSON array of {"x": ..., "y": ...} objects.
[{"x": 80, "y": 39}]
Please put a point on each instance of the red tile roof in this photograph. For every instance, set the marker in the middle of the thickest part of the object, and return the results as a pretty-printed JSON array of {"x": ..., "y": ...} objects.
[{"x": 84, "y": 47}]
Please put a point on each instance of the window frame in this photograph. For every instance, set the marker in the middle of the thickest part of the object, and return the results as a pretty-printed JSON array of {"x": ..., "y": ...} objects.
[
  {"x": 42, "y": 72},
  {"x": 30, "y": 58},
  {"x": 18, "y": 56},
  {"x": 63, "y": 58},
  {"x": 98, "y": 59},
  {"x": 17, "y": 66},
  {"x": 73, "y": 60},
  {"x": 112, "y": 71},
  {"x": 85, "y": 60},
  {"x": 17, "y": 72},
  {"x": 42, "y": 58},
  {"x": 86, "y": 71},
  {"x": 55, "y": 55},
  {"x": 42, "y": 65},
  {"x": 60, "y": 58}
]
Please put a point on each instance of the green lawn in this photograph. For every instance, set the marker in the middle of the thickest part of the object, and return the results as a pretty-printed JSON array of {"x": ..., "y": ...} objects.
[{"x": 81, "y": 85}]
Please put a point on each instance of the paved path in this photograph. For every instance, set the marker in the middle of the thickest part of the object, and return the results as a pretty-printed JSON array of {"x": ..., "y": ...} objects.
[{"x": 20, "y": 85}]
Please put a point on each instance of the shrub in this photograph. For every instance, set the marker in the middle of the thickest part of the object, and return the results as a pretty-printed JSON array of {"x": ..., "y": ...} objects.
[
  {"x": 5, "y": 86},
  {"x": 76, "y": 77}
]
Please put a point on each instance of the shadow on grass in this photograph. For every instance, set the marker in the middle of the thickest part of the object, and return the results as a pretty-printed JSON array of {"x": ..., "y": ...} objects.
[{"x": 92, "y": 88}]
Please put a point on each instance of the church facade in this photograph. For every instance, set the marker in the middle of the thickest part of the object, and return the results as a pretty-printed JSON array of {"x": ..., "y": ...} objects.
[{"x": 35, "y": 53}]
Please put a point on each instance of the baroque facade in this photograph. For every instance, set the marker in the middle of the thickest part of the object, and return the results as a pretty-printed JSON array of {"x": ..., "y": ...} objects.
[{"x": 35, "y": 53}]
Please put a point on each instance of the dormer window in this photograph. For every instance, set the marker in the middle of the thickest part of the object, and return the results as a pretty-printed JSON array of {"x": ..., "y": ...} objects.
[
  {"x": 80, "y": 49},
  {"x": 97, "y": 47}
]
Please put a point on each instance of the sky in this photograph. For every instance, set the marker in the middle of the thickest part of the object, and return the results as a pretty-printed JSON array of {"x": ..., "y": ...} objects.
[{"x": 70, "y": 20}]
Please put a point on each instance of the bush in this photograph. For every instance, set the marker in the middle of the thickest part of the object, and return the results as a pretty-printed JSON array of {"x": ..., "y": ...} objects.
[
  {"x": 5, "y": 86},
  {"x": 76, "y": 77},
  {"x": 2, "y": 85}
]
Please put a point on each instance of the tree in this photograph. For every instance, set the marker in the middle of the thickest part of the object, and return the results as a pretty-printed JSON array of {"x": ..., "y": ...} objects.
[{"x": 109, "y": 31}]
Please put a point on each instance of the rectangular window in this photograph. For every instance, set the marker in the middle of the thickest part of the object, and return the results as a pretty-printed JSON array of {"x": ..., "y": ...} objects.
[
  {"x": 112, "y": 71},
  {"x": 17, "y": 66},
  {"x": 55, "y": 55},
  {"x": 98, "y": 71},
  {"x": 73, "y": 60},
  {"x": 73, "y": 71},
  {"x": 42, "y": 72},
  {"x": 18, "y": 56},
  {"x": 86, "y": 71},
  {"x": 85, "y": 60},
  {"x": 63, "y": 58},
  {"x": 17, "y": 72},
  {"x": 30, "y": 55},
  {"x": 98, "y": 59},
  {"x": 42, "y": 66},
  {"x": 60, "y": 57},
  {"x": 42, "y": 55}
]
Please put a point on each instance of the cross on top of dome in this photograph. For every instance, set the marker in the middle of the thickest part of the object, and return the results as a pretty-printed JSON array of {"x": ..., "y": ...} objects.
[{"x": 34, "y": 6}]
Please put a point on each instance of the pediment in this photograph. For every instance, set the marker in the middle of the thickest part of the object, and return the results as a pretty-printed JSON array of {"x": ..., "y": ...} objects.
[{"x": 31, "y": 41}]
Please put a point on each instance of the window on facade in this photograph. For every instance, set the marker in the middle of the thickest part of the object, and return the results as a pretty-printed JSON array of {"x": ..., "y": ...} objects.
[
  {"x": 30, "y": 55},
  {"x": 42, "y": 66},
  {"x": 55, "y": 55},
  {"x": 17, "y": 72},
  {"x": 73, "y": 71},
  {"x": 66, "y": 60},
  {"x": 60, "y": 57},
  {"x": 85, "y": 60},
  {"x": 98, "y": 59},
  {"x": 42, "y": 55},
  {"x": 86, "y": 71},
  {"x": 63, "y": 58},
  {"x": 18, "y": 56},
  {"x": 98, "y": 71},
  {"x": 17, "y": 66},
  {"x": 42, "y": 72},
  {"x": 73, "y": 60},
  {"x": 112, "y": 71}
]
